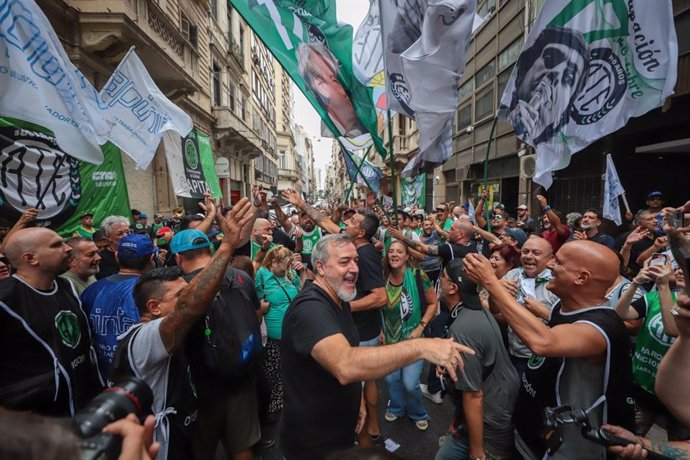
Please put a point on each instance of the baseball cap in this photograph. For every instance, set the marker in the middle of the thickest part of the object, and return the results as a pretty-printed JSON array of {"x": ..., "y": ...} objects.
[
  {"x": 188, "y": 240},
  {"x": 468, "y": 290},
  {"x": 655, "y": 194},
  {"x": 86, "y": 213},
  {"x": 517, "y": 233},
  {"x": 522, "y": 206},
  {"x": 143, "y": 215},
  {"x": 134, "y": 246},
  {"x": 163, "y": 230}
]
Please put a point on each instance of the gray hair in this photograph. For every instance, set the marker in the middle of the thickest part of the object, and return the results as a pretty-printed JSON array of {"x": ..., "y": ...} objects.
[
  {"x": 110, "y": 221},
  {"x": 571, "y": 218},
  {"x": 320, "y": 251}
]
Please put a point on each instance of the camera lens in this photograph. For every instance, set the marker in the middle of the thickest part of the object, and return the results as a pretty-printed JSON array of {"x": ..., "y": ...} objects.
[{"x": 131, "y": 395}]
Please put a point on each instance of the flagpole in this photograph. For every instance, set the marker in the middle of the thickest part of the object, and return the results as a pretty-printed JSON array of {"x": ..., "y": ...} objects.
[
  {"x": 486, "y": 170},
  {"x": 392, "y": 165},
  {"x": 358, "y": 168},
  {"x": 366, "y": 182}
]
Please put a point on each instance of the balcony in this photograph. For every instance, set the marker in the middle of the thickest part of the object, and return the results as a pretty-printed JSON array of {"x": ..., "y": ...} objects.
[
  {"x": 289, "y": 174},
  {"x": 235, "y": 50},
  {"x": 234, "y": 135}
]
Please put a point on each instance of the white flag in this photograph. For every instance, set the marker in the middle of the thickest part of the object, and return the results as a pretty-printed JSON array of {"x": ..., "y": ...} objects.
[
  {"x": 39, "y": 84},
  {"x": 425, "y": 45},
  {"x": 586, "y": 68},
  {"x": 140, "y": 111},
  {"x": 367, "y": 50},
  {"x": 612, "y": 190}
]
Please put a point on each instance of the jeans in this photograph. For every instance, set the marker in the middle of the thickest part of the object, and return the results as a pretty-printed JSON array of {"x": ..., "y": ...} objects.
[
  {"x": 459, "y": 449},
  {"x": 436, "y": 329},
  {"x": 404, "y": 392}
]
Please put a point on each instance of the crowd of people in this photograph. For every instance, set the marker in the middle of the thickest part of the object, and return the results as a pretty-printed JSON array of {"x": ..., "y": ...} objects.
[{"x": 240, "y": 317}]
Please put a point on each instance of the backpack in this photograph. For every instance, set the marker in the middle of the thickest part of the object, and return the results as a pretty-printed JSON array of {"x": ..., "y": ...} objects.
[{"x": 229, "y": 336}]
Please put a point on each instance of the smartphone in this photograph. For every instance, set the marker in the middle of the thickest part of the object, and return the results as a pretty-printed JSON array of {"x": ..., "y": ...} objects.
[{"x": 658, "y": 258}]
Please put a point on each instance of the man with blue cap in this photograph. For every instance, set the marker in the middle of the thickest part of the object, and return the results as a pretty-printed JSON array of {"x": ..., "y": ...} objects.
[{"x": 109, "y": 303}]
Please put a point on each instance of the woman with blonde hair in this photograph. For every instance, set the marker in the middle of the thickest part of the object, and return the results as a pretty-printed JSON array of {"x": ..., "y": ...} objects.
[
  {"x": 278, "y": 280},
  {"x": 411, "y": 306}
]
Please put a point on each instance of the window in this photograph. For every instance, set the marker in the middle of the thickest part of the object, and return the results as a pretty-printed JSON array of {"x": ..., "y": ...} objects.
[
  {"x": 241, "y": 39},
  {"x": 214, "y": 9},
  {"x": 402, "y": 125},
  {"x": 466, "y": 89},
  {"x": 484, "y": 74},
  {"x": 485, "y": 105},
  {"x": 189, "y": 31},
  {"x": 486, "y": 7},
  {"x": 510, "y": 54},
  {"x": 464, "y": 118},
  {"x": 282, "y": 159},
  {"x": 216, "y": 85},
  {"x": 503, "y": 80},
  {"x": 231, "y": 97}
]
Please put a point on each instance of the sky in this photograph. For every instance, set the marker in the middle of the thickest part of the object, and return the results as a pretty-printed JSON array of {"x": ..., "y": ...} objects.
[{"x": 351, "y": 12}]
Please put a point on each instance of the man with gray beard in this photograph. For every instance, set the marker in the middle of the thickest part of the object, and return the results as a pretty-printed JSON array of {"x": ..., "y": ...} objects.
[
  {"x": 322, "y": 365},
  {"x": 589, "y": 230}
]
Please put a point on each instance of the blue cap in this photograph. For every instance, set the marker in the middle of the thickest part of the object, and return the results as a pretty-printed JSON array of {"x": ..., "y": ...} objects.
[
  {"x": 134, "y": 246},
  {"x": 143, "y": 216},
  {"x": 655, "y": 194},
  {"x": 189, "y": 239}
]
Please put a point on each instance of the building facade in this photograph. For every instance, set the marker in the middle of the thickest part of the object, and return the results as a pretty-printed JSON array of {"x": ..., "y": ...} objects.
[{"x": 205, "y": 59}]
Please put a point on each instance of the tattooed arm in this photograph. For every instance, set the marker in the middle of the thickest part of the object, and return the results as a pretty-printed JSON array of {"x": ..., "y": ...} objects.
[
  {"x": 196, "y": 297},
  {"x": 428, "y": 249},
  {"x": 317, "y": 216}
]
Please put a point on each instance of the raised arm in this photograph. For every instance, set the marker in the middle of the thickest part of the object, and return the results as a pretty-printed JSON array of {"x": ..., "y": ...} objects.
[
  {"x": 567, "y": 340},
  {"x": 209, "y": 207},
  {"x": 638, "y": 234},
  {"x": 196, "y": 297},
  {"x": 479, "y": 210},
  {"x": 553, "y": 217},
  {"x": 430, "y": 250},
  {"x": 25, "y": 219},
  {"x": 315, "y": 215},
  {"x": 488, "y": 236},
  {"x": 659, "y": 244},
  {"x": 281, "y": 216}
]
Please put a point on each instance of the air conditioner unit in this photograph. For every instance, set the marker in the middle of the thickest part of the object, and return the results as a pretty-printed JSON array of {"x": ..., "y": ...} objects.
[{"x": 528, "y": 166}]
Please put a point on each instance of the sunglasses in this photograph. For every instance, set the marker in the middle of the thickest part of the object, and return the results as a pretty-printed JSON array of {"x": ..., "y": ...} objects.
[{"x": 5, "y": 260}]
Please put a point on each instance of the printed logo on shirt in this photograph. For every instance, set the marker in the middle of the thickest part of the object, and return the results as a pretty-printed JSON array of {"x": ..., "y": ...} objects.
[
  {"x": 535, "y": 362},
  {"x": 67, "y": 326},
  {"x": 656, "y": 330}
]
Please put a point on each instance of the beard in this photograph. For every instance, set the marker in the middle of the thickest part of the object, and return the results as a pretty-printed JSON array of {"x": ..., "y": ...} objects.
[{"x": 341, "y": 291}]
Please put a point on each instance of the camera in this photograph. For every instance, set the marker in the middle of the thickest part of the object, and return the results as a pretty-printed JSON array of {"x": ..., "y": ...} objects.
[{"x": 130, "y": 395}]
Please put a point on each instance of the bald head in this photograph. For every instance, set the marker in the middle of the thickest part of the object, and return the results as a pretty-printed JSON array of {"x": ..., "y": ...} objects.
[
  {"x": 583, "y": 271},
  {"x": 261, "y": 228},
  {"x": 38, "y": 249}
]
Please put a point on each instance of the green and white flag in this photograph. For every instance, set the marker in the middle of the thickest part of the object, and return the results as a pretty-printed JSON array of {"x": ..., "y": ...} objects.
[
  {"x": 316, "y": 51},
  {"x": 36, "y": 173},
  {"x": 414, "y": 190},
  {"x": 587, "y": 67},
  {"x": 191, "y": 164}
]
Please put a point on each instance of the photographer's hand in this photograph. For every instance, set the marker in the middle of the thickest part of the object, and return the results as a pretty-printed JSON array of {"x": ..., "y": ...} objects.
[{"x": 137, "y": 439}]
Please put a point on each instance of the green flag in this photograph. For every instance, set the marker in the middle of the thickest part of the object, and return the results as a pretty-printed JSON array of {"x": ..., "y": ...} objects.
[
  {"x": 36, "y": 173},
  {"x": 414, "y": 190},
  {"x": 306, "y": 39}
]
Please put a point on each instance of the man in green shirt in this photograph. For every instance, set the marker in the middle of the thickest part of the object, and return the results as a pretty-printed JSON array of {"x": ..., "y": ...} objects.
[
  {"x": 86, "y": 229},
  {"x": 83, "y": 263}
]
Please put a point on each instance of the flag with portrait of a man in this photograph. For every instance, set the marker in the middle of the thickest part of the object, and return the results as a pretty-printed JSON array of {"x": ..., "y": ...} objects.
[{"x": 586, "y": 68}]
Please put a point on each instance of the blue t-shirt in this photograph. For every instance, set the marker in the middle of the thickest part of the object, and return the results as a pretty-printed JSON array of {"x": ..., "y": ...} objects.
[{"x": 110, "y": 307}]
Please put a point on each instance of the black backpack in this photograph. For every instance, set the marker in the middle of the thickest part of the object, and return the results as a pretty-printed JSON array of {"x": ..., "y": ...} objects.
[{"x": 228, "y": 337}]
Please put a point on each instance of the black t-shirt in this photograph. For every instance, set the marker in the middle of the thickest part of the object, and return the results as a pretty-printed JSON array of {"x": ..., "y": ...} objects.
[
  {"x": 47, "y": 363},
  {"x": 319, "y": 414},
  {"x": 280, "y": 237},
  {"x": 370, "y": 277},
  {"x": 450, "y": 251},
  {"x": 637, "y": 249},
  {"x": 108, "y": 265}
]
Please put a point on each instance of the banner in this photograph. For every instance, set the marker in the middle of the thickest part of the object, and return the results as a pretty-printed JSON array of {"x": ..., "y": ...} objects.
[
  {"x": 367, "y": 171},
  {"x": 425, "y": 44},
  {"x": 367, "y": 48},
  {"x": 414, "y": 191},
  {"x": 612, "y": 190},
  {"x": 586, "y": 68},
  {"x": 36, "y": 173},
  {"x": 39, "y": 84},
  {"x": 140, "y": 111},
  {"x": 316, "y": 51},
  {"x": 191, "y": 164}
]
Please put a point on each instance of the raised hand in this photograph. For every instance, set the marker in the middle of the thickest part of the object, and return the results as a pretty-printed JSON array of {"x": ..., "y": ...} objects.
[
  {"x": 541, "y": 199},
  {"x": 237, "y": 218},
  {"x": 291, "y": 196},
  {"x": 208, "y": 205},
  {"x": 479, "y": 269}
]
